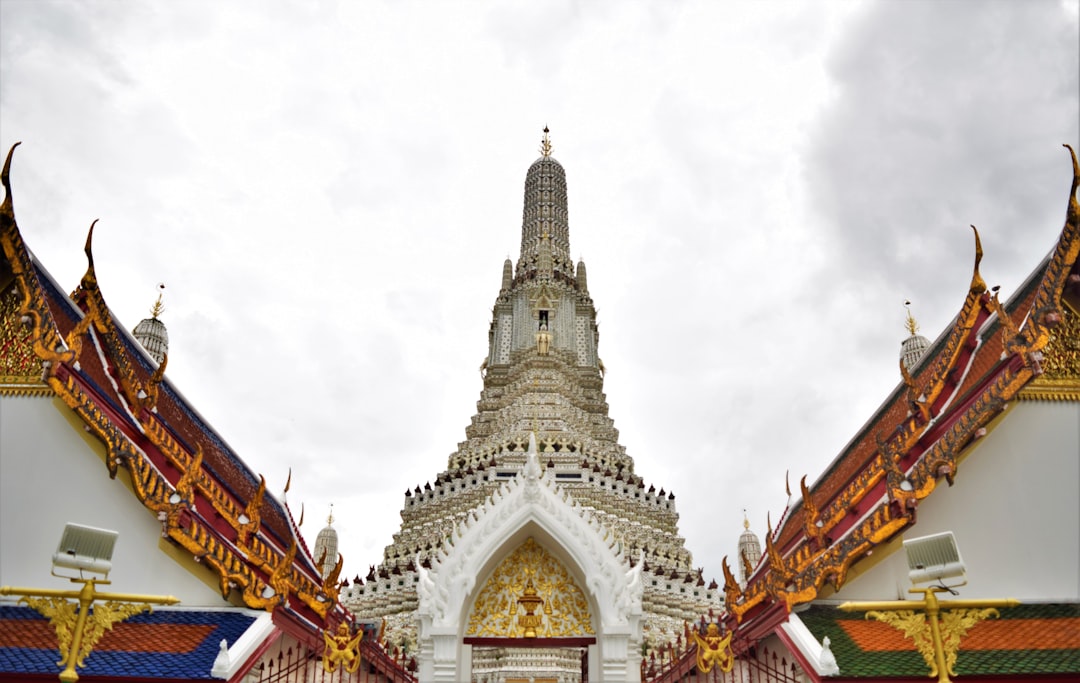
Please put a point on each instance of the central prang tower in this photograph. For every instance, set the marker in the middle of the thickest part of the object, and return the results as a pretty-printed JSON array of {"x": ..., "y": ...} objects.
[{"x": 542, "y": 379}]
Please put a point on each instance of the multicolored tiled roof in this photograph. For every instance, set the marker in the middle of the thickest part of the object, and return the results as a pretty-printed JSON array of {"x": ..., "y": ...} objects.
[
  {"x": 165, "y": 644},
  {"x": 1028, "y": 639}
]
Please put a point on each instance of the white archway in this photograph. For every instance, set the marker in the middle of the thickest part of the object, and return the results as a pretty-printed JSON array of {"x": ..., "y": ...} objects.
[{"x": 530, "y": 504}]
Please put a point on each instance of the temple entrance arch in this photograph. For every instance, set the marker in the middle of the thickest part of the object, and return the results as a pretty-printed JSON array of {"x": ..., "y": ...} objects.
[{"x": 489, "y": 551}]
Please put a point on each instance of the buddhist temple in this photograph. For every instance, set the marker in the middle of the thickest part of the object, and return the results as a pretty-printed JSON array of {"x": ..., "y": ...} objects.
[
  {"x": 942, "y": 542},
  {"x": 171, "y": 558},
  {"x": 539, "y": 496},
  {"x": 962, "y": 485}
]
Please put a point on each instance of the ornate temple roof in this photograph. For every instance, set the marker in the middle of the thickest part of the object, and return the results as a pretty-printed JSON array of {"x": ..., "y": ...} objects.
[
  {"x": 993, "y": 353},
  {"x": 209, "y": 502}
]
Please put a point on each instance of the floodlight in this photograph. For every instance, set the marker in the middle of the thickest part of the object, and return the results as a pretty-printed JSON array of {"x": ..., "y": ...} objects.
[
  {"x": 933, "y": 558},
  {"x": 85, "y": 549}
]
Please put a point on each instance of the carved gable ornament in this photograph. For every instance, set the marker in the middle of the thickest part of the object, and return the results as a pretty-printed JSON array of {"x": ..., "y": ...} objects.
[
  {"x": 533, "y": 500},
  {"x": 530, "y": 582}
]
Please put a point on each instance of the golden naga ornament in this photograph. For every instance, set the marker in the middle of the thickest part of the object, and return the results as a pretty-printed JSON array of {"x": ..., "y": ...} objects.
[
  {"x": 342, "y": 649},
  {"x": 713, "y": 650}
]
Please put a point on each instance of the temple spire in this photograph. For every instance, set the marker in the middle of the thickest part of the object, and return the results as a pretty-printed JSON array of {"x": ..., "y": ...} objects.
[
  {"x": 912, "y": 348},
  {"x": 151, "y": 332},
  {"x": 545, "y": 213}
]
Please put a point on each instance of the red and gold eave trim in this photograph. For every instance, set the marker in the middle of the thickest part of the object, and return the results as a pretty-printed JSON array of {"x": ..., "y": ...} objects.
[
  {"x": 166, "y": 478},
  {"x": 927, "y": 444}
]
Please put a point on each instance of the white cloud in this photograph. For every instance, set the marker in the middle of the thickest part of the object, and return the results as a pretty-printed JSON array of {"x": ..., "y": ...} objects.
[{"x": 329, "y": 191}]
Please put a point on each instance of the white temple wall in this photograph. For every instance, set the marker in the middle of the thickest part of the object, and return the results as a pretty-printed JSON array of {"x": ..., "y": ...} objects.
[
  {"x": 51, "y": 473},
  {"x": 1015, "y": 511}
]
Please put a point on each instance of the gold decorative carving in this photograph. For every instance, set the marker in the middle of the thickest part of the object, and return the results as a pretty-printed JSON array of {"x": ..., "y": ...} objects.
[
  {"x": 713, "y": 650},
  {"x": 80, "y": 625},
  {"x": 811, "y": 518},
  {"x": 498, "y": 606},
  {"x": 1060, "y": 363},
  {"x": 18, "y": 364},
  {"x": 732, "y": 590},
  {"x": 530, "y": 621},
  {"x": 342, "y": 649},
  {"x": 330, "y": 584},
  {"x": 152, "y": 386},
  {"x": 44, "y": 337},
  {"x": 935, "y": 626}
]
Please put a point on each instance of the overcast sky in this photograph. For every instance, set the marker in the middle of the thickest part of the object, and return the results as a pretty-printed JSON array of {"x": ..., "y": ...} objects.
[{"x": 328, "y": 191}]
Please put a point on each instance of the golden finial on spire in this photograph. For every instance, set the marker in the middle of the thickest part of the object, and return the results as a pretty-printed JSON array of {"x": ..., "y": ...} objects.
[
  {"x": 745, "y": 520},
  {"x": 910, "y": 324},
  {"x": 545, "y": 144},
  {"x": 158, "y": 308},
  {"x": 330, "y": 519}
]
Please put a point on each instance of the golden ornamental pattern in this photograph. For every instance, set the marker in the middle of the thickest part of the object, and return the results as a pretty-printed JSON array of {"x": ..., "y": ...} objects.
[
  {"x": 953, "y": 624},
  {"x": 18, "y": 364},
  {"x": 63, "y": 616},
  {"x": 1062, "y": 354},
  {"x": 564, "y": 611}
]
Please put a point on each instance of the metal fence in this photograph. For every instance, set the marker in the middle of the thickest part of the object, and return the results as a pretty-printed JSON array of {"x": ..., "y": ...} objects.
[
  {"x": 753, "y": 666},
  {"x": 301, "y": 664}
]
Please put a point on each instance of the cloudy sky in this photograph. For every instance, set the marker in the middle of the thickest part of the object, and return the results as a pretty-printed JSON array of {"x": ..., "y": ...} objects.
[{"x": 328, "y": 191}]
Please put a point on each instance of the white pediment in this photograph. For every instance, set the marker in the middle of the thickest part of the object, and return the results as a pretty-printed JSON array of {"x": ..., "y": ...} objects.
[{"x": 532, "y": 504}]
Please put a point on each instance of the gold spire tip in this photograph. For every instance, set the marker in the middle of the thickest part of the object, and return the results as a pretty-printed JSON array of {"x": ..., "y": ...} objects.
[
  {"x": 158, "y": 308},
  {"x": 910, "y": 324},
  {"x": 330, "y": 519},
  {"x": 545, "y": 144}
]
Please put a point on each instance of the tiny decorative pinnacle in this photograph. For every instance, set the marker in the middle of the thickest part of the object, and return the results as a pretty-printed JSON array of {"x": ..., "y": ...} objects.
[
  {"x": 330, "y": 519},
  {"x": 910, "y": 324},
  {"x": 745, "y": 520},
  {"x": 545, "y": 144},
  {"x": 158, "y": 308}
]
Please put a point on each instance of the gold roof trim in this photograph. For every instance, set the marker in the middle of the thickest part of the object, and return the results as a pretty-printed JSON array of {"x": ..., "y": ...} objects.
[
  {"x": 240, "y": 565},
  {"x": 795, "y": 575},
  {"x": 22, "y": 386},
  {"x": 1067, "y": 390}
]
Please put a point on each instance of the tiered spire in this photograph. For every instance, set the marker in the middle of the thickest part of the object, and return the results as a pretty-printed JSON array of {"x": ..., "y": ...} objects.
[
  {"x": 151, "y": 332},
  {"x": 543, "y": 394},
  {"x": 545, "y": 212},
  {"x": 749, "y": 551},
  {"x": 912, "y": 348},
  {"x": 326, "y": 546}
]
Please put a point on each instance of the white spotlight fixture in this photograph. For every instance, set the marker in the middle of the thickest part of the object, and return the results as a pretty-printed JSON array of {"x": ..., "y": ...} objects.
[
  {"x": 933, "y": 558},
  {"x": 85, "y": 549}
]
